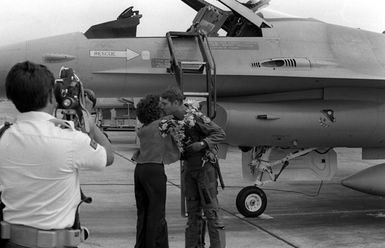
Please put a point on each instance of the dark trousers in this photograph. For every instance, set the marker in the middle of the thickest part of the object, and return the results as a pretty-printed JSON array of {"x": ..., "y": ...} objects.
[
  {"x": 150, "y": 194},
  {"x": 201, "y": 194}
]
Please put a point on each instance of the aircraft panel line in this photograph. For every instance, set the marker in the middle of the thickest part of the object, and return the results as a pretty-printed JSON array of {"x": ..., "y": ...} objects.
[{"x": 367, "y": 211}]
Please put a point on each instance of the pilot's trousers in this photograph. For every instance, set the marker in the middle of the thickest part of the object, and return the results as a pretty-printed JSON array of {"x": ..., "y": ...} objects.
[
  {"x": 201, "y": 194},
  {"x": 150, "y": 194}
]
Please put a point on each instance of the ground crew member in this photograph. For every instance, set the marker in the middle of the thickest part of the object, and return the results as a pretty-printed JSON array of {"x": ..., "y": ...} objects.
[
  {"x": 40, "y": 158},
  {"x": 150, "y": 178},
  {"x": 200, "y": 177}
]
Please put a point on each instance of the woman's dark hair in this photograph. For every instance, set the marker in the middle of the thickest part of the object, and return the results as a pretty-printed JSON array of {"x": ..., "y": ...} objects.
[
  {"x": 148, "y": 109},
  {"x": 29, "y": 86}
]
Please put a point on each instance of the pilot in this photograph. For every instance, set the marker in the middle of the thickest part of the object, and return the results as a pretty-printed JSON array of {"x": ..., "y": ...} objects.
[
  {"x": 201, "y": 135},
  {"x": 40, "y": 158}
]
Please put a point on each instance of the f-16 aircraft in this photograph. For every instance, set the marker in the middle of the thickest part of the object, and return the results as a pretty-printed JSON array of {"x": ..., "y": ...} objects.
[{"x": 286, "y": 90}]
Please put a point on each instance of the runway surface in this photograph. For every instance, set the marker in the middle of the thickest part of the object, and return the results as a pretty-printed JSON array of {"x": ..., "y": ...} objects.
[{"x": 337, "y": 217}]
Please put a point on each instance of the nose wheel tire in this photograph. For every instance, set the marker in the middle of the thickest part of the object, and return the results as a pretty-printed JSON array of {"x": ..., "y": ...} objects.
[{"x": 251, "y": 201}]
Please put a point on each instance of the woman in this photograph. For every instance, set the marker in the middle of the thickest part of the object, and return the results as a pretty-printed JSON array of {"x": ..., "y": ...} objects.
[{"x": 150, "y": 179}]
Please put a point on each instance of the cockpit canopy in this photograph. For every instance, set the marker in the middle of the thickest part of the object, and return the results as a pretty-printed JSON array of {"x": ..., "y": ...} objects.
[
  {"x": 242, "y": 20},
  {"x": 123, "y": 27}
]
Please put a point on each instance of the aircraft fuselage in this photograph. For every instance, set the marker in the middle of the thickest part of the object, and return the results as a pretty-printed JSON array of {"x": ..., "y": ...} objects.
[
  {"x": 294, "y": 55},
  {"x": 306, "y": 65}
]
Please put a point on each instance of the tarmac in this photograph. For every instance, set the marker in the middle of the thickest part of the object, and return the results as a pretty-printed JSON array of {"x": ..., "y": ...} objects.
[{"x": 296, "y": 216}]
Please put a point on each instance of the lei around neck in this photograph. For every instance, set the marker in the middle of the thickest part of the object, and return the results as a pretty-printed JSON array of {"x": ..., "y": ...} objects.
[{"x": 176, "y": 128}]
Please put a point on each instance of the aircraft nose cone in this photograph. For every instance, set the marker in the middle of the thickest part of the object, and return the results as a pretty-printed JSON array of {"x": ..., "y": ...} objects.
[
  {"x": 370, "y": 180},
  {"x": 9, "y": 56}
]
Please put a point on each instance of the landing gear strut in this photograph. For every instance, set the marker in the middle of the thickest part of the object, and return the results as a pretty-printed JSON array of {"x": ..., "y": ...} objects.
[{"x": 251, "y": 201}]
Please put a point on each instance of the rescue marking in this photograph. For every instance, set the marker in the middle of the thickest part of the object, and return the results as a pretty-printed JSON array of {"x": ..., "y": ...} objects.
[{"x": 128, "y": 54}]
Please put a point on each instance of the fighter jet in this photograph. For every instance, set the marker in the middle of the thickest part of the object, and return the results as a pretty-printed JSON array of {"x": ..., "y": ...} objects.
[{"x": 286, "y": 90}]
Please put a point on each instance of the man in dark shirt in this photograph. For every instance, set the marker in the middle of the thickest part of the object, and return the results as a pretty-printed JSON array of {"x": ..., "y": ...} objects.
[{"x": 201, "y": 136}]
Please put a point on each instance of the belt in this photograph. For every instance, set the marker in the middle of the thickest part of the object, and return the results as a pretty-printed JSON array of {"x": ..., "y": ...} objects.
[{"x": 37, "y": 238}]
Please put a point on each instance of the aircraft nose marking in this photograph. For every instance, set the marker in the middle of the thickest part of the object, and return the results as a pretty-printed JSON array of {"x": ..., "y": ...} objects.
[{"x": 128, "y": 54}]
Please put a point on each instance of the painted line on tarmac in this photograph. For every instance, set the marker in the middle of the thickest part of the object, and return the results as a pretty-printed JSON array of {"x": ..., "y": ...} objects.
[
  {"x": 243, "y": 219},
  {"x": 364, "y": 211},
  {"x": 261, "y": 217},
  {"x": 126, "y": 158}
]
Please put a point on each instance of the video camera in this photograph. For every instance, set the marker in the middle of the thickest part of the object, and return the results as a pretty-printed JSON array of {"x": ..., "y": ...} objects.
[
  {"x": 70, "y": 97},
  {"x": 68, "y": 90}
]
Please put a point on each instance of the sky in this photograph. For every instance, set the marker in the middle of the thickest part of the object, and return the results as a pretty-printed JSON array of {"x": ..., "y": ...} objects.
[{"x": 30, "y": 19}]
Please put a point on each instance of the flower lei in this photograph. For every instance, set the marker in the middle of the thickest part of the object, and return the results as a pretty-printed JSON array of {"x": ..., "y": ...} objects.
[{"x": 176, "y": 128}]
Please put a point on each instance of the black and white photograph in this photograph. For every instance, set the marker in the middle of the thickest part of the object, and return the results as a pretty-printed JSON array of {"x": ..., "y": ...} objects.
[{"x": 192, "y": 123}]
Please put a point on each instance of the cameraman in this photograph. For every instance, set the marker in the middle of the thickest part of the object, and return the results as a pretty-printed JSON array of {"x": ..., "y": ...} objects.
[{"x": 40, "y": 158}]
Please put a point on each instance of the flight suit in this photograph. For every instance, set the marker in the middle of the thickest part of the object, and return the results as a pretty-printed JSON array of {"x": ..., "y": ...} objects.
[{"x": 201, "y": 184}]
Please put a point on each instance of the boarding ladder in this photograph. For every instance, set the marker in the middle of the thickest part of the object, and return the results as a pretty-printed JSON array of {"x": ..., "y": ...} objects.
[{"x": 206, "y": 66}]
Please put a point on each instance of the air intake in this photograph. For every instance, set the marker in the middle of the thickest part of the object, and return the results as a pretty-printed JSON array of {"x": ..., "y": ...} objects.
[{"x": 282, "y": 63}]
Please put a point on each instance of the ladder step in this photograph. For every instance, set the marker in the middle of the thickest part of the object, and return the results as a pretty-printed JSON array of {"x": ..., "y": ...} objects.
[
  {"x": 197, "y": 94},
  {"x": 193, "y": 62},
  {"x": 173, "y": 34},
  {"x": 192, "y": 65}
]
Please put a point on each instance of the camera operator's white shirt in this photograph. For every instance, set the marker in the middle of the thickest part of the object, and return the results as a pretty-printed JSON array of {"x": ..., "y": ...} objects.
[{"x": 39, "y": 165}]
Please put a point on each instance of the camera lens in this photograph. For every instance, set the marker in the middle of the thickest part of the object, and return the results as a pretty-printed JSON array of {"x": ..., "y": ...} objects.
[{"x": 67, "y": 103}]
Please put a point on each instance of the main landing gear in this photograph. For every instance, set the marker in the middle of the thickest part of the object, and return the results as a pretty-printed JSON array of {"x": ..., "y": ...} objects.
[{"x": 252, "y": 201}]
